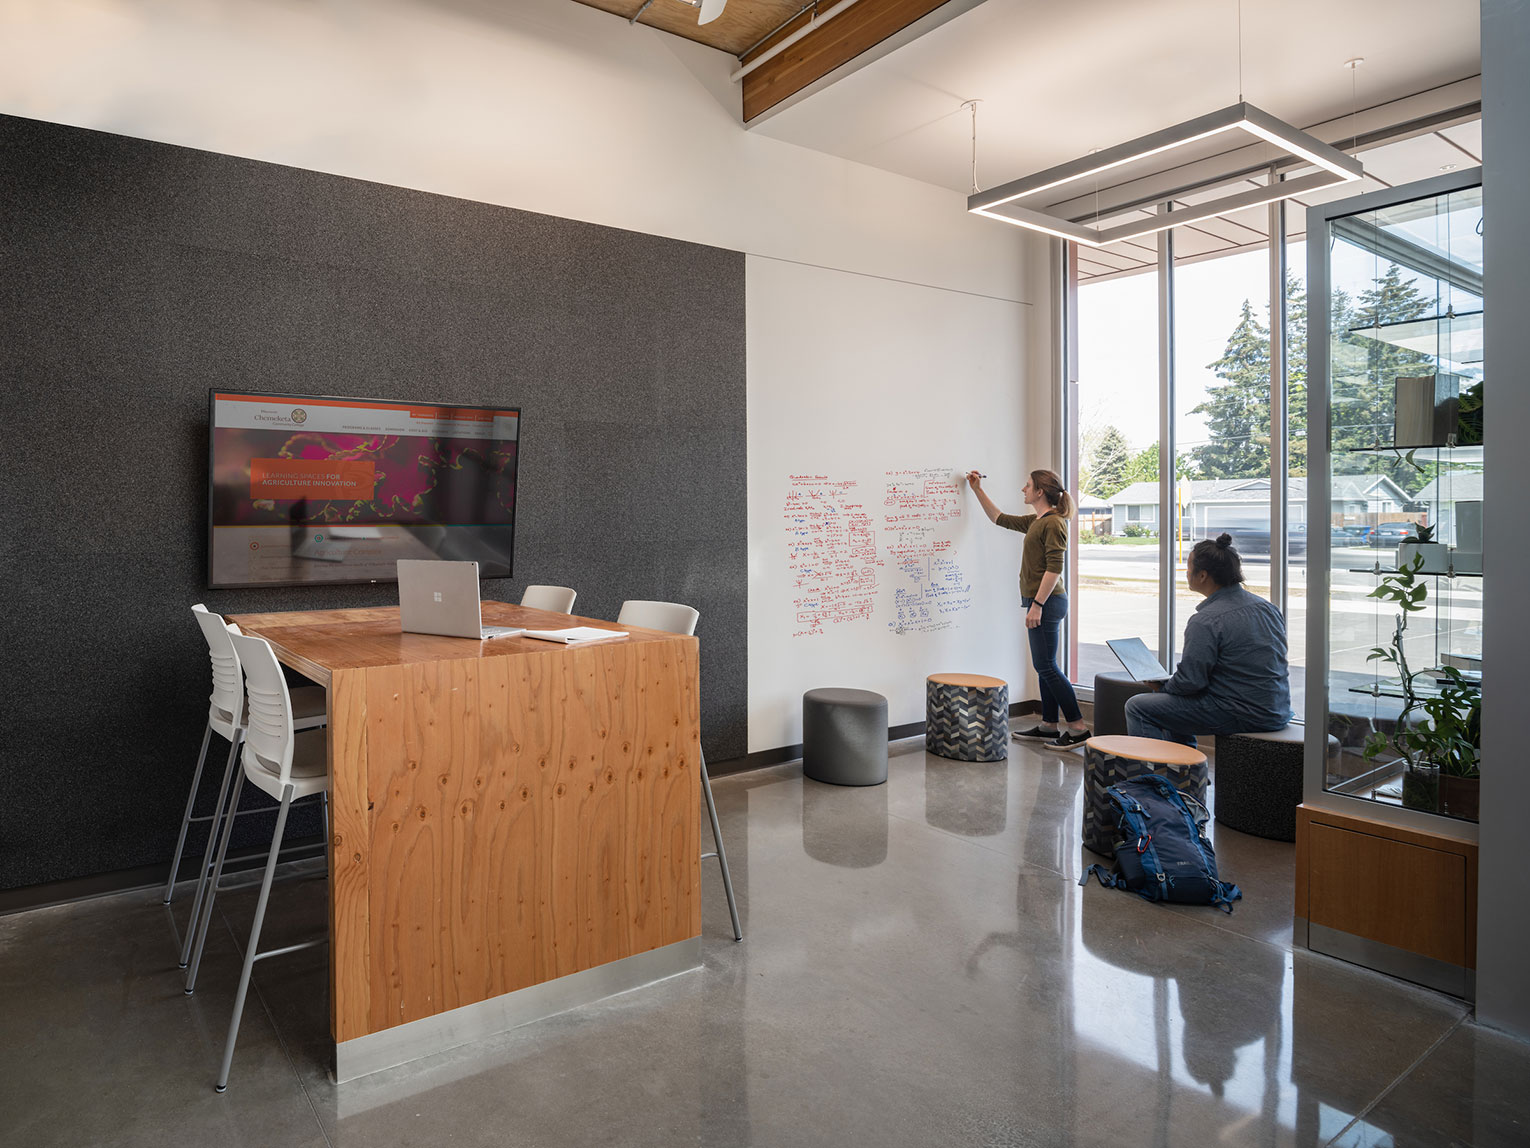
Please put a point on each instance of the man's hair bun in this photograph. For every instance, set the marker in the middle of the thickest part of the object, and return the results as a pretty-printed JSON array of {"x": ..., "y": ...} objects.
[{"x": 1219, "y": 559}]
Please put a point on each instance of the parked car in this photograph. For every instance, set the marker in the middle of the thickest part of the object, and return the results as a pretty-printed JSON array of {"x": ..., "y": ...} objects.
[
  {"x": 1339, "y": 536},
  {"x": 1360, "y": 535},
  {"x": 1391, "y": 533},
  {"x": 1254, "y": 543}
]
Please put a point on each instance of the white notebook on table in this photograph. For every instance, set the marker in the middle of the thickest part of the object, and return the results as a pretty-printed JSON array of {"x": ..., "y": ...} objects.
[{"x": 575, "y": 634}]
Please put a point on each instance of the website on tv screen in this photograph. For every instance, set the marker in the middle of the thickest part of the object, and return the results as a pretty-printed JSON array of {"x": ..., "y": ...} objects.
[{"x": 310, "y": 489}]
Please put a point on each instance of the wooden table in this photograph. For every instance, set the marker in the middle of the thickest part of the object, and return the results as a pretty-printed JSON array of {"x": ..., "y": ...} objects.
[{"x": 503, "y": 813}]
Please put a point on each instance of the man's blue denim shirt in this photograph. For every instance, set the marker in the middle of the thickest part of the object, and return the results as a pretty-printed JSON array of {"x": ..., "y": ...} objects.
[{"x": 1235, "y": 656}]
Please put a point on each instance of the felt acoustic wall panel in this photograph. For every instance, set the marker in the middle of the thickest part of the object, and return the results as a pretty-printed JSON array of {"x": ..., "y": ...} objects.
[{"x": 137, "y": 275}]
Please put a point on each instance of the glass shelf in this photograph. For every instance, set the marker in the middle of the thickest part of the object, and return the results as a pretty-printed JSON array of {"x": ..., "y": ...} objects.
[
  {"x": 1466, "y": 454},
  {"x": 1403, "y": 306},
  {"x": 1460, "y": 342}
]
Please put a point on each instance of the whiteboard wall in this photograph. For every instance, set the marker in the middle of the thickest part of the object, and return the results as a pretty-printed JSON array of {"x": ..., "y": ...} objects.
[{"x": 871, "y": 565}]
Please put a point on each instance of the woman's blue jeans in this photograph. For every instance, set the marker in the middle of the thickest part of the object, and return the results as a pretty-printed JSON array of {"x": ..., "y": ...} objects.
[{"x": 1056, "y": 690}]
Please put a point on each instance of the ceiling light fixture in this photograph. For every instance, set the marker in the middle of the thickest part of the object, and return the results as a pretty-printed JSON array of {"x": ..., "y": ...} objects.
[
  {"x": 1334, "y": 166},
  {"x": 1004, "y": 203}
]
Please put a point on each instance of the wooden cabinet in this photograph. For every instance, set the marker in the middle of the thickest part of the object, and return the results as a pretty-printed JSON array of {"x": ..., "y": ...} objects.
[{"x": 1394, "y": 899}]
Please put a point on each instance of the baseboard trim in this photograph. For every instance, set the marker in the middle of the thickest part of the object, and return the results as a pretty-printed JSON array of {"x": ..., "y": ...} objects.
[
  {"x": 765, "y": 758},
  {"x": 27, "y": 897},
  {"x": 398, "y": 1045}
]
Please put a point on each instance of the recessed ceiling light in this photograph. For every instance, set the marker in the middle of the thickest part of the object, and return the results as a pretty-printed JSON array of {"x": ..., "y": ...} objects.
[{"x": 1447, "y": 167}]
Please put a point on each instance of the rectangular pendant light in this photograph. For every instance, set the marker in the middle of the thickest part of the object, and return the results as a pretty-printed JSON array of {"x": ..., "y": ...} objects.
[{"x": 1334, "y": 166}]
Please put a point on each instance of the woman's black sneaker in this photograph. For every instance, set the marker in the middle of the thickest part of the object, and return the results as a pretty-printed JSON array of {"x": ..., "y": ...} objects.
[
  {"x": 1070, "y": 739},
  {"x": 1035, "y": 731}
]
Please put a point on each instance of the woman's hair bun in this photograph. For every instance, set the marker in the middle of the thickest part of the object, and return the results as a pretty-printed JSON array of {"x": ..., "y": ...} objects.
[{"x": 1224, "y": 539}]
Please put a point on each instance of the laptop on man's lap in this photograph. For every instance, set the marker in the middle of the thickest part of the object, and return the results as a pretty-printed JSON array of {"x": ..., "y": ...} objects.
[{"x": 1138, "y": 659}]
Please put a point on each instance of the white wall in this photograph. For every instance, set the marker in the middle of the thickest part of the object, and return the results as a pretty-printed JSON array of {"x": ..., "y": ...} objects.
[
  {"x": 543, "y": 105},
  {"x": 860, "y": 280},
  {"x": 875, "y": 405}
]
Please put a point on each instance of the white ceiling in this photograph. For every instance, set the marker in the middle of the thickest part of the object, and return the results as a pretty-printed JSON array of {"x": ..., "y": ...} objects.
[{"x": 1057, "y": 79}]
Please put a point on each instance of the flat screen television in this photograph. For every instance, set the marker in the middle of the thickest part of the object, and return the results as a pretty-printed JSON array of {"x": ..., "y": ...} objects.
[{"x": 309, "y": 489}]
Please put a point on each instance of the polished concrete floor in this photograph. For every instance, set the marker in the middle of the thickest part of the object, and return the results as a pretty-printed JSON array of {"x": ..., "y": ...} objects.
[{"x": 919, "y": 968}]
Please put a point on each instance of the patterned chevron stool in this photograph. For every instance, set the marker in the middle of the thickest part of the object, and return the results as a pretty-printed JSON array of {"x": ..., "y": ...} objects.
[
  {"x": 966, "y": 717},
  {"x": 1111, "y": 760}
]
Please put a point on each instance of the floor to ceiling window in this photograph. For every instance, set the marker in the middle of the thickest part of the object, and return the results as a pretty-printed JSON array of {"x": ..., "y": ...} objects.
[
  {"x": 1117, "y": 447},
  {"x": 1225, "y": 418}
]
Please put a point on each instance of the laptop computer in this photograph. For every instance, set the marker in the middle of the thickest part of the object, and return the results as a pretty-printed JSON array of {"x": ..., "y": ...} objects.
[
  {"x": 439, "y": 597},
  {"x": 1138, "y": 659}
]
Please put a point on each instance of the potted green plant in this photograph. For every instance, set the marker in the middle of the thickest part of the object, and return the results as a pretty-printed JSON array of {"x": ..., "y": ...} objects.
[
  {"x": 1421, "y": 544},
  {"x": 1438, "y": 733}
]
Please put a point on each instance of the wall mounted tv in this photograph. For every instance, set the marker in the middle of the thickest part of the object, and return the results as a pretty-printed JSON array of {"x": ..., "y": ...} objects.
[{"x": 306, "y": 489}]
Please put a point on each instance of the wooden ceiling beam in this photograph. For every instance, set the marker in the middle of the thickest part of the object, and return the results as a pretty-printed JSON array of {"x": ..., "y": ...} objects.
[{"x": 860, "y": 27}]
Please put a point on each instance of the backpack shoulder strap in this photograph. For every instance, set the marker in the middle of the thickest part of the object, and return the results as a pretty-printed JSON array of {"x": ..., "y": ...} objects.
[{"x": 1109, "y": 880}]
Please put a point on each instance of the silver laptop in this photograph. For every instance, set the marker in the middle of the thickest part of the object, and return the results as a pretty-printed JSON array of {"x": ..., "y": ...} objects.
[
  {"x": 1138, "y": 659},
  {"x": 438, "y": 597}
]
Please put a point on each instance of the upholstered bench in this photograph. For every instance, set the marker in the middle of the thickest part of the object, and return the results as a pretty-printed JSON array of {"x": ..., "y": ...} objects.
[
  {"x": 966, "y": 717},
  {"x": 1259, "y": 781},
  {"x": 1111, "y": 760},
  {"x": 844, "y": 737}
]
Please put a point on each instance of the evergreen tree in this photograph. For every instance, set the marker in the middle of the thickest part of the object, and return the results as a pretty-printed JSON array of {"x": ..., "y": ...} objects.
[
  {"x": 1106, "y": 465},
  {"x": 1365, "y": 370},
  {"x": 1238, "y": 411},
  {"x": 1296, "y": 377}
]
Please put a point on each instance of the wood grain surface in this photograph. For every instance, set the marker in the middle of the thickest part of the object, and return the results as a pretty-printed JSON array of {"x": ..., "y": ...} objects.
[
  {"x": 1413, "y": 890},
  {"x": 1146, "y": 749},
  {"x": 837, "y": 42},
  {"x": 503, "y": 815}
]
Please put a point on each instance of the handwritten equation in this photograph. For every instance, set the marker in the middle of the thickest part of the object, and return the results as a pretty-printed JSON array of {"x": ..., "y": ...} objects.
[
  {"x": 837, "y": 548},
  {"x": 918, "y": 509},
  {"x": 831, "y": 553}
]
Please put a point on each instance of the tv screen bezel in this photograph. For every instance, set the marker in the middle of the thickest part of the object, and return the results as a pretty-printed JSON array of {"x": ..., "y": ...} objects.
[{"x": 212, "y": 400}]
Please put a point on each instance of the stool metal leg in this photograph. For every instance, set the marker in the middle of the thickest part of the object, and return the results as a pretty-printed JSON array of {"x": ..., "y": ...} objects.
[
  {"x": 212, "y": 843},
  {"x": 191, "y": 801},
  {"x": 721, "y": 854},
  {"x": 250, "y": 949},
  {"x": 212, "y": 888}
]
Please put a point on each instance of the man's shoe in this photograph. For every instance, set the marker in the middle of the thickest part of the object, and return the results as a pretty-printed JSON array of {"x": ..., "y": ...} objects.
[
  {"x": 1070, "y": 739},
  {"x": 1035, "y": 731}
]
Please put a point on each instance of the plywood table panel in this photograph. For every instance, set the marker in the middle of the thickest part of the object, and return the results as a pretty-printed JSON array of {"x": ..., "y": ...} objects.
[{"x": 504, "y": 812}]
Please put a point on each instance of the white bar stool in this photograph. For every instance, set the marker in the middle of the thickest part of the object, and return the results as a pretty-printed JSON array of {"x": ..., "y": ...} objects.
[
  {"x": 285, "y": 764},
  {"x": 558, "y": 599},
  {"x": 225, "y": 717},
  {"x": 676, "y": 618}
]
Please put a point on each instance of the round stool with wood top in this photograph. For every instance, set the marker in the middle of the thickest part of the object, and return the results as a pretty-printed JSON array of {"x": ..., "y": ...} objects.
[
  {"x": 1111, "y": 760},
  {"x": 966, "y": 717}
]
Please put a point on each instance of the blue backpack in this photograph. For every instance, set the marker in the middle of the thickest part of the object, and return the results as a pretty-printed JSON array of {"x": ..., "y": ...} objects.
[{"x": 1161, "y": 853}]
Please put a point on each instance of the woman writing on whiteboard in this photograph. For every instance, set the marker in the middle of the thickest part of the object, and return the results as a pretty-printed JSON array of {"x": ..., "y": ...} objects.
[{"x": 1041, "y": 593}]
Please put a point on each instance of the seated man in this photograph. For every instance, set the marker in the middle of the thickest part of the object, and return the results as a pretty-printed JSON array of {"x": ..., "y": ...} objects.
[{"x": 1232, "y": 676}]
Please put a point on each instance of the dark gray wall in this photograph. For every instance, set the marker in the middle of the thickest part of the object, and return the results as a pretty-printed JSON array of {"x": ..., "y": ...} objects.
[
  {"x": 135, "y": 275},
  {"x": 1503, "y": 928}
]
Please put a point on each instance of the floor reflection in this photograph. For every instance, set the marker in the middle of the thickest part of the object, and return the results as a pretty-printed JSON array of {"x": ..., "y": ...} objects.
[
  {"x": 844, "y": 825},
  {"x": 966, "y": 797}
]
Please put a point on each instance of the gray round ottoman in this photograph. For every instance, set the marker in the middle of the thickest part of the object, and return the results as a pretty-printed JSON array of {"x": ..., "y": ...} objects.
[
  {"x": 1258, "y": 782},
  {"x": 966, "y": 717},
  {"x": 844, "y": 737},
  {"x": 1111, "y": 693}
]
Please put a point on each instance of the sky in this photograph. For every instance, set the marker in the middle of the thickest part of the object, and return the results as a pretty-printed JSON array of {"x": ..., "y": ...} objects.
[
  {"x": 1118, "y": 321},
  {"x": 1118, "y": 340}
]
